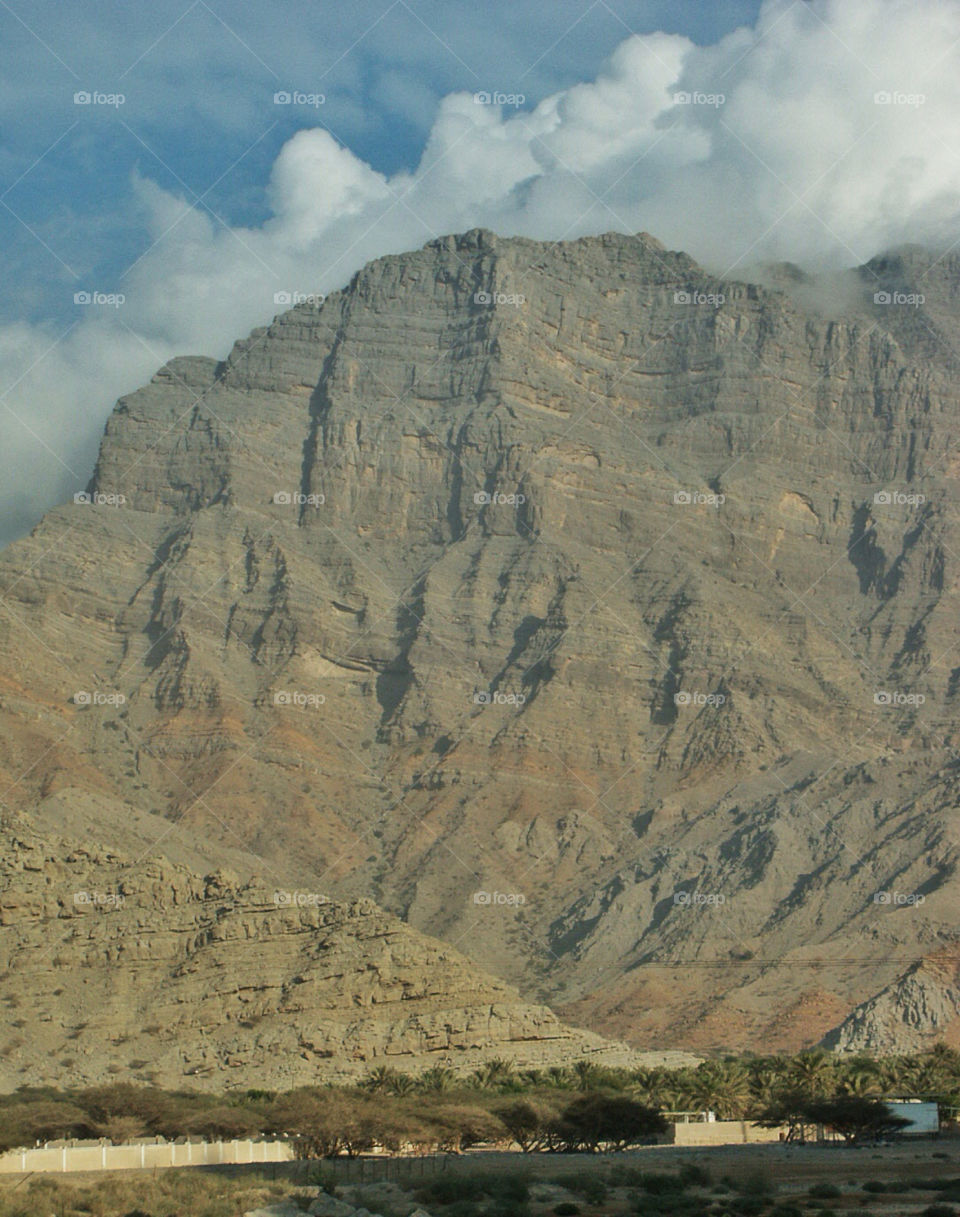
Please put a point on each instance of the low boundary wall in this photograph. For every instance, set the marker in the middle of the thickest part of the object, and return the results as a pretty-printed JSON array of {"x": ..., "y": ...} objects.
[
  {"x": 142, "y": 1156},
  {"x": 723, "y": 1132}
]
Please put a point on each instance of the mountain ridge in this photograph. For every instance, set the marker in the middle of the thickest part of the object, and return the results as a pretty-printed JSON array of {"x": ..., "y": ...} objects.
[{"x": 580, "y": 547}]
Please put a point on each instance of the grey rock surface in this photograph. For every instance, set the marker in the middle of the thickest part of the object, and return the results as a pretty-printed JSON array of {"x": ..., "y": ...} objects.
[{"x": 584, "y": 610}]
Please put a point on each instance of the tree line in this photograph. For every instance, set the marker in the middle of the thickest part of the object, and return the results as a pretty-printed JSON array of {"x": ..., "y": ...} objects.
[{"x": 580, "y": 1107}]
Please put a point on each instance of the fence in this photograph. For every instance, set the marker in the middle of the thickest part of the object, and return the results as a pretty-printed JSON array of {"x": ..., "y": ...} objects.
[{"x": 104, "y": 1157}]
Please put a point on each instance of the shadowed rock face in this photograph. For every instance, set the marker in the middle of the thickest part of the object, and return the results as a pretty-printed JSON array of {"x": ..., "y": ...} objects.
[{"x": 590, "y": 613}]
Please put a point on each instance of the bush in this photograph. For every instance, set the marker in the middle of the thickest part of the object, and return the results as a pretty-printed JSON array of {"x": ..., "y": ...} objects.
[
  {"x": 695, "y": 1176},
  {"x": 659, "y": 1184},
  {"x": 566, "y": 1208},
  {"x": 505, "y": 1191},
  {"x": 748, "y": 1206},
  {"x": 625, "y": 1176},
  {"x": 757, "y": 1183},
  {"x": 786, "y": 1210},
  {"x": 825, "y": 1191},
  {"x": 447, "y": 1189},
  {"x": 939, "y": 1210},
  {"x": 673, "y": 1204},
  {"x": 590, "y": 1187}
]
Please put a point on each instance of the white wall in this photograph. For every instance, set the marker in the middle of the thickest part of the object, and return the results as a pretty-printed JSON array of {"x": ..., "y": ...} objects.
[{"x": 134, "y": 1157}]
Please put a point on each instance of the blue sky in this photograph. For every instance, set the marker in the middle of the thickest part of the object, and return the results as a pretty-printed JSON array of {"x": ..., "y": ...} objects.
[
  {"x": 199, "y": 79},
  {"x": 819, "y": 131}
]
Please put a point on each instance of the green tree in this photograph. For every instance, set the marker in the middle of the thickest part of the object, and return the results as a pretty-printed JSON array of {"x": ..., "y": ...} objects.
[
  {"x": 529, "y": 1123},
  {"x": 854, "y": 1118},
  {"x": 610, "y": 1120}
]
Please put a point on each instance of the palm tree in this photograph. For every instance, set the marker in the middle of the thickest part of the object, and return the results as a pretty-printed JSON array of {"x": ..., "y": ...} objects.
[
  {"x": 766, "y": 1085},
  {"x": 722, "y": 1086},
  {"x": 379, "y": 1080},
  {"x": 588, "y": 1075},
  {"x": 493, "y": 1073},
  {"x": 558, "y": 1077},
  {"x": 438, "y": 1078},
  {"x": 401, "y": 1084},
  {"x": 813, "y": 1072}
]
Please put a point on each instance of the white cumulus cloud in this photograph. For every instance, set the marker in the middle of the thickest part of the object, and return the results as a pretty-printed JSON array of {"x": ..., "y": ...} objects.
[{"x": 823, "y": 134}]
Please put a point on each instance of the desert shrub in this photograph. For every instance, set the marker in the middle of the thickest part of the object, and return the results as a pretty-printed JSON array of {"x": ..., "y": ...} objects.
[
  {"x": 660, "y": 1184},
  {"x": 825, "y": 1191},
  {"x": 566, "y": 1208},
  {"x": 786, "y": 1210},
  {"x": 875, "y": 1186},
  {"x": 625, "y": 1176},
  {"x": 464, "y": 1208},
  {"x": 588, "y": 1187},
  {"x": 748, "y": 1206},
  {"x": 695, "y": 1176},
  {"x": 503, "y": 1191},
  {"x": 939, "y": 1210},
  {"x": 756, "y": 1183}
]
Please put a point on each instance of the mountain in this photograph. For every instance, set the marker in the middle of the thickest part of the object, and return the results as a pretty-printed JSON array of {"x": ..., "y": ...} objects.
[
  {"x": 582, "y": 609},
  {"x": 117, "y": 967}
]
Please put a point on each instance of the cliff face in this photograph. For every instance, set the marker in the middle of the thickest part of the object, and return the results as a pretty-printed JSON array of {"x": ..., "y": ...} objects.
[{"x": 563, "y": 575}]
